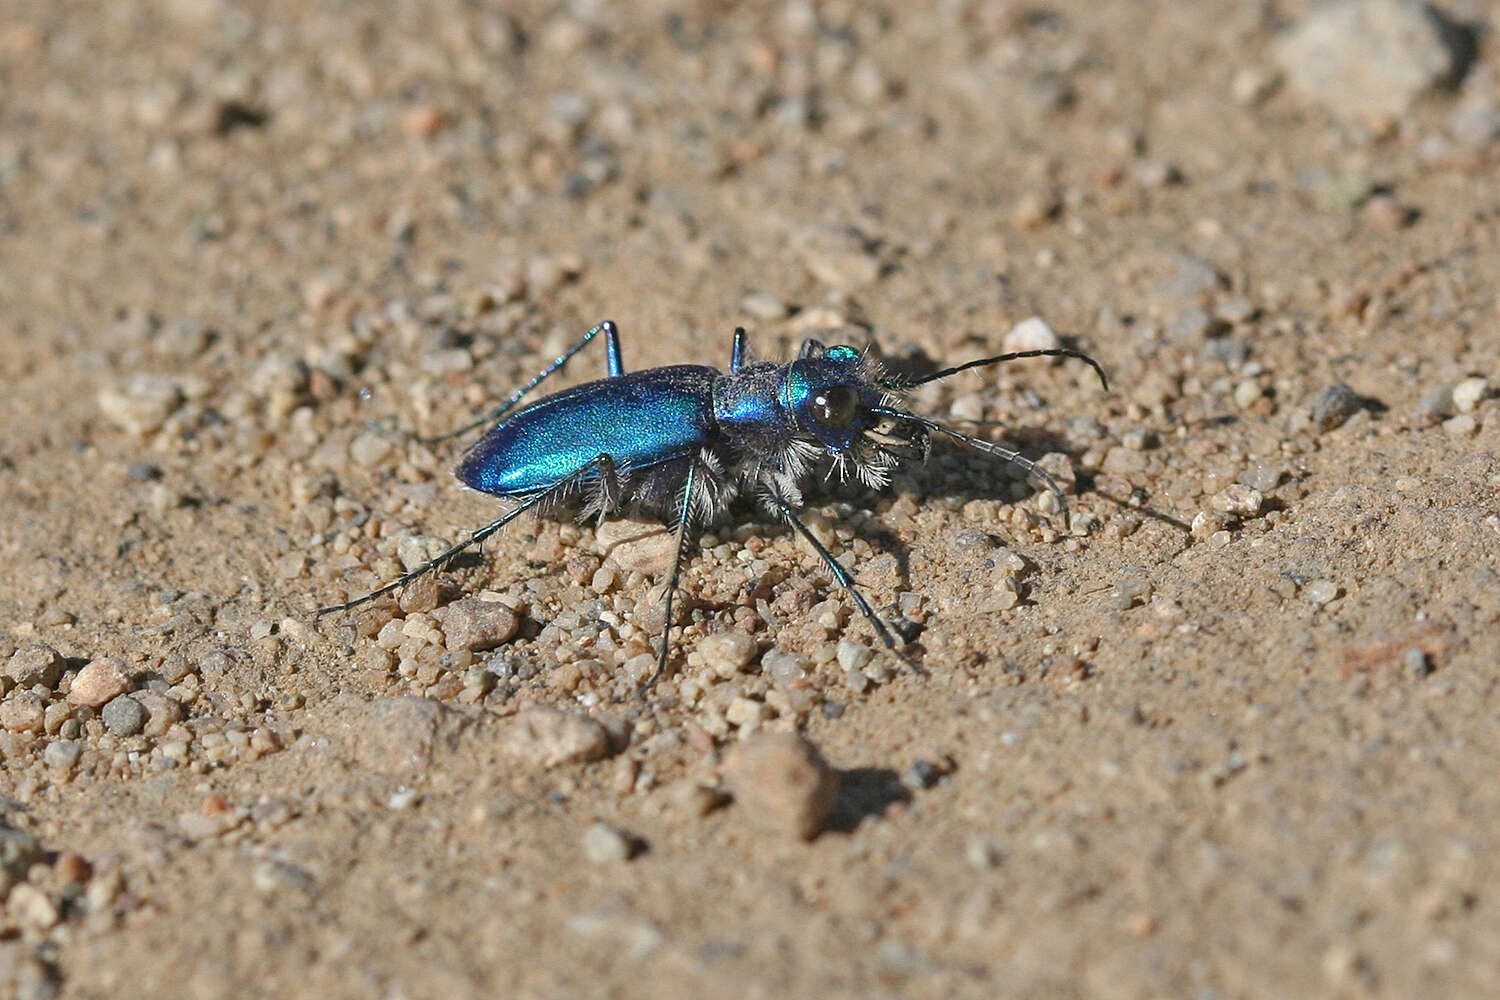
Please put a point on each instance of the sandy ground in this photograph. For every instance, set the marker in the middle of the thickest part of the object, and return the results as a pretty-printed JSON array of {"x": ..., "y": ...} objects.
[{"x": 1233, "y": 737}]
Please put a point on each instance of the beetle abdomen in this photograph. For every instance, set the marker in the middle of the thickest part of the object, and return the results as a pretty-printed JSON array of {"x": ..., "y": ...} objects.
[{"x": 639, "y": 420}]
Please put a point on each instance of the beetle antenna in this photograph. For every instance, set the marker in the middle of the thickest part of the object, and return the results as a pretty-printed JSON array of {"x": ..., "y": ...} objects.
[
  {"x": 990, "y": 448},
  {"x": 1050, "y": 352}
]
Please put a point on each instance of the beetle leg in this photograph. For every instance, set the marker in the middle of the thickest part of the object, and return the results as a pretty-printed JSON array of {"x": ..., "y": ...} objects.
[
  {"x": 844, "y": 578},
  {"x": 557, "y": 489},
  {"x": 684, "y": 514},
  {"x": 615, "y": 365}
]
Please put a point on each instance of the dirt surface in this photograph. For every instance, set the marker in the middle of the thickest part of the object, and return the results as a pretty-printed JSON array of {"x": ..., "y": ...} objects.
[{"x": 1234, "y": 736}]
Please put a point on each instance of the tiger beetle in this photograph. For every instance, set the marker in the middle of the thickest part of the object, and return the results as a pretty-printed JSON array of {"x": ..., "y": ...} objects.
[{"x": 679, "y": 443}]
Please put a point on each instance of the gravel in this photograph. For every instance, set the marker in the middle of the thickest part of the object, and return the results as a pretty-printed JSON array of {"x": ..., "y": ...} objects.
[
  {"x": 478, "y": 625},
  {"x": 1334, "y": 404},
  {"x": 542, "y": 738},
  {"x": 605, "y": 845},
  {"x": 727, "y": 653}
]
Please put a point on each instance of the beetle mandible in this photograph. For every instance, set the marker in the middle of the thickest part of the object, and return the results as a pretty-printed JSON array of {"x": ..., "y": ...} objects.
[{"x": 679, "y": 443}]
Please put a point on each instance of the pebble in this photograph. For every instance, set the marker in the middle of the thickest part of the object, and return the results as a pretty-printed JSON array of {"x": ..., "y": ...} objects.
[
  {"x": 478, "y": 625},
  {"x": 727, "y": 653},
  {"x": 1370, "y": 57},
  {"x": 846, "y": 271},
  {"x": 162, "y": 712},
  {"x": 781, "y": 783},
  {"x": 763, "y": 306},
  {"x": 746, "y": 713},
  {"x": 140, "y": 404},
  {"x": 1237, "y": 499},
  {"x": 1247, "y": 392},
  {"x": 1462, "y": 425},
  {"x": 1130, "y": 591},
  {"x": 1031, "y": 334},
  {"x": 1436, "y": 406},
  {"x": 783, "y": 668},
  {"x": 98, "y": 682},
  {"x": 1334, "y": 404},
  {"x": 636, "y": 545},
  {"x": 369, "y": 449},
  {"x": 32, "y": 908},
  {"x": 19, "y": 850},
  {"x": 1320, "y": 592},
  {"x": 1262, "y": 477},
  {"x": 37, "y": 663},
  {"x": 1035, "y": 208},
  {"x": 853, "y": 655},
  {"x": 124, "y": 716},
  {"x": 62, "y": 755},
  {"x": 1468, "y": 393},
  {"x": 23, "y": 712},
  {"x": 416, "y": 550},
  {"x": 543, "y": 738},
  {"x": 1253, "y": 84},
  {"x": 604, "y": 844},
  {"x": 921, "y": 774},
  {"x": 1416, "y": 662},
  {"x": 982, "y": 854}
]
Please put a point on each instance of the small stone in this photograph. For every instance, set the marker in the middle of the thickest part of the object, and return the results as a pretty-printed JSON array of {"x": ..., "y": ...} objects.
[
  {"x": 1247, "y": 392},
  {"x": 1262, "y": 476},
  {"x": 636, "y": 546},
  {"x": 369, "y": 449},
  {"x": 32, "y": 908},
  {"x": 1468, "y": 393},
  {"x": 162, "y": 712},
  {"x": 478, "y": 625},
  {"x": 544, "y": 738},
  {"x": 1462, "y": 425},
  {"x": 1031, "y": 334},
  {"x": 71, "y": 868},
  {"x": 781, "y": 783},
  {"x": 23, "y": 712},
  {"x": 140, "y": 404},
  {"x": 37, "y": 663},
  {"x": 763, "y": 306},
  {"x": 422, "y": 122},
  {"x": 1416, "y": 662},
  {"x": 1034, "y": 209},
  {"x": 1130, "y": 591},
  {"x": 1320, "y": 592},
  {"x": 982, "y": 854},
  {"x": 98, "y": 682},
  {"x": 1334, "y": 404},
  {"x": 727, "y": 653},
  {"x": 921, "y": 774},
  {"x": 1207, "y": 522},
  {"x": 1436, "y": 406},
  {"x": 783, "y": 668},
  {"x": 604, "y": 845},
  {"x": 847, "y": 271},
  {"x": 1371, "y": 57},
  {"x": 745, "y": 713},
  {"x": 1237, "y": 499},
  {"x": 415, "y": 551},
  {"x": 62, "y": 755},
  {"x": 853, "y": 655},
  {"x": 124, "y": 716},
  {"x": 1253, "y": 84}
]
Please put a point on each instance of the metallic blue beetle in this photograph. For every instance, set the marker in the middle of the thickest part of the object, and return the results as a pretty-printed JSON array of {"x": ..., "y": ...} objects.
[{"x": 680, "y": 443}]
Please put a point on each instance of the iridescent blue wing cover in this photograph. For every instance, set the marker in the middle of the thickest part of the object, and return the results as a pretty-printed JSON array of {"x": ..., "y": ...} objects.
[{"x": 639, "y": 419}]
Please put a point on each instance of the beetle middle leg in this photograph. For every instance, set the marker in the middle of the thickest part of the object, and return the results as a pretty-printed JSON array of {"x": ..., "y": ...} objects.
[
  {"x": 841, "y": 575},
  {"x": 614, "y": 361},
  {"x": 601, "y": 465}
]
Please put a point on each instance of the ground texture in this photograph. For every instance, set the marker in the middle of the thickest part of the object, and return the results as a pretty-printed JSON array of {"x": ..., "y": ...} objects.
[{"x": 1232, "y": 735}]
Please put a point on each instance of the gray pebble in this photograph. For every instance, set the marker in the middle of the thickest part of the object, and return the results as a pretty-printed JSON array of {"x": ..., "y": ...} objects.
[
  {"x": 921, "y": 774},
  {"x": 124, "y": 716},
  {"x": 603, "y": 844},
  {"x": 1436, "y": 406},
  {"x": 1237, "y": 499},
  {"x": 1262, "y": 476},
  {"x": 1334, "y": 404},
  {"x": 140, "y": 404},
  {"x": 62, "y": 755},
  {"x": 143, "y": 472}
]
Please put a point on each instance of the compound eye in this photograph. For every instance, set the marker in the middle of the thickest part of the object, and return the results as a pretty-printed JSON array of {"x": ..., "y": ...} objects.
[{"x": 836, "y": 406}]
